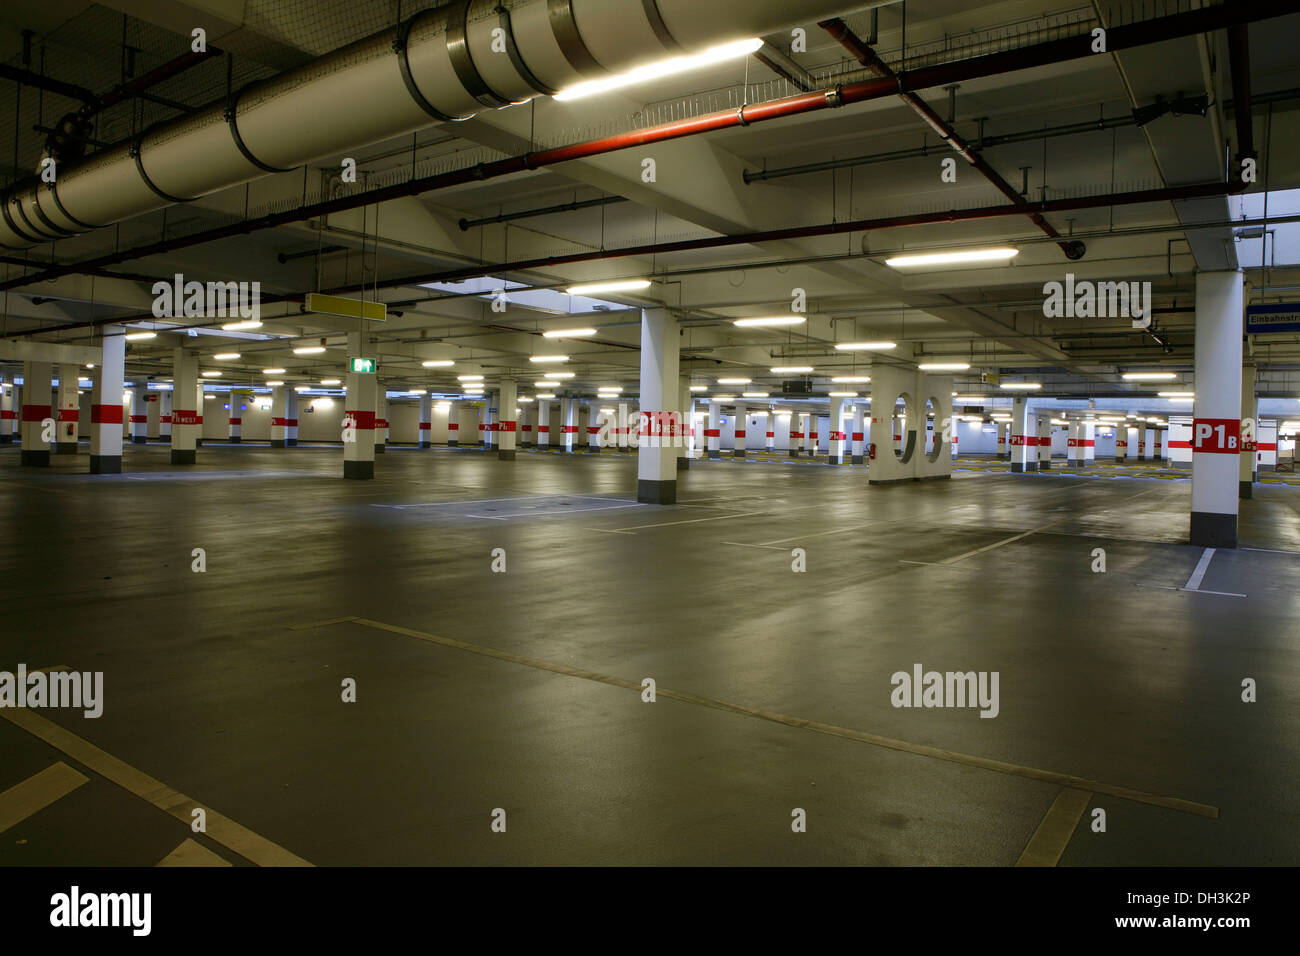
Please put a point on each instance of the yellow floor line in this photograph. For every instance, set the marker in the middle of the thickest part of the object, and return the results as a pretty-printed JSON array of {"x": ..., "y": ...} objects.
[
  {"x": 222, "y": 829},
  {"x": 37, "y": 792},
  {"x": 889, "y": 743},
  {"x": 1057, "y": 827},
  {"x": 190, "y": 853}
]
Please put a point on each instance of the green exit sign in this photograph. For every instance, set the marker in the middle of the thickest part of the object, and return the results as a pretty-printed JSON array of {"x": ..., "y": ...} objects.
[{"x": 362, "y": 366}]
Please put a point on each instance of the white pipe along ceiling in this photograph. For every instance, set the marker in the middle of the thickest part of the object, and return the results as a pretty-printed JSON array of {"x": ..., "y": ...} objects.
[{"x": 437, "y": 66}]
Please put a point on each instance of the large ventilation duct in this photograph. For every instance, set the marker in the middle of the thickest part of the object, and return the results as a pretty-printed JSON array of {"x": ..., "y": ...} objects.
[{"x": 437, "y": 66}]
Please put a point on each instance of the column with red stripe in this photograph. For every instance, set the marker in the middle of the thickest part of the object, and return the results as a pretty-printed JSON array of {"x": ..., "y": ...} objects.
[
  {"x": 810, "y": 436},
  {"x": 279, "y": 415},
  {"x": 659, "y": 421},
  {"x": 106, "y": 401},
  {"x": 8, "y": 417},
  {"x": 569, "y": 414},
  {"x": 1249, "y": 434},
  {"x": 837, "y": 437},
  {"x": 796, "y": 432},
  {"x": 739, "y": 431},
  {"x": 69, "y": 410},
  {"x": 1024, "y": 437},
  {"x": 426, "y": 420},
  {"x": 1044, "y": 442},
  {"x": 187, "y": 417},
  {"x": 1216, "y": 421},
  {"x": 858, "y": 436},
  {"x": 1089, "y": 443},
  {"x": 165, "y": 403},
  {"x": 139, "y": 415},
  {"x": 507, "y": 423},
  {"x": 1121, "y": 442},
  {"x": 359, "y": 417},
  {"x": 381, "y": 416},
  {"x": 713, "y": 433},
  {"x": 453, "y": 424},
  {"x": 36, "y": 413},
  {"x": 235, "y": 423}
]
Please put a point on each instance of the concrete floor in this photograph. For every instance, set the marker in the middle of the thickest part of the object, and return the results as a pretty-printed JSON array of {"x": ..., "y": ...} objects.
[{"x": 221, "y": 686}]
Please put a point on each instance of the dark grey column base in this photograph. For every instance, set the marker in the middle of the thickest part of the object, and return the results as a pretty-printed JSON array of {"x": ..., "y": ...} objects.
[
  {"x": 37, "y": 457},
  {"x": 358, "y": 469},
  {"x": 379, "y": 449},
  {"x": 1020, "y": 468},
  {"x": 1142, "y": 457},
  {"x": 198, "y": 443},
  {"x": 506, "y": 454},
  {"x": 932, "y": 478},
  {"x": 105, "y": 464},
  {"x": 425, "y": 444},
  {"x": 235, "y": 440},
  {"x": 291, "y": 443},
  {"x": 6, "y": 439},
  {"x": 738, "y": 454},
  {"x": 1120, "y": 459},
  {"x": 1245, "y": 489},
  {"x": 277, "y": 442},
  {"x": 594, "y": 451},
  {"x": 65, "y": 448},
  {"x": 1211, "y": 530},
  {"x": 889, "y": 481},
  {"x": 715, "y": 455},
  {"x": 452, "y": 443},
  {"x": 794, "y": 452},
  {"x": 1044, "y": 466},
  {"x": 856, "y": 459},
  {"x": 683, "y": 464},
  {"x": 138, "y": 441},
  {"x": 183, "y": 456},
  {"x": 656, "y": 492}
]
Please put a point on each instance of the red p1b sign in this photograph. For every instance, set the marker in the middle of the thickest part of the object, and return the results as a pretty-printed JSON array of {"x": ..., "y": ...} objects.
[{"x": 1218, "y": 436}]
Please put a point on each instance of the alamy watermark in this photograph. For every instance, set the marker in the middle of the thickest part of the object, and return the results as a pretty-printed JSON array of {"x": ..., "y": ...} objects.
[
  {"x": 951, "y": 689},
  {"x": 56, "y": 689},
  {"x": 194, "y": 299},
  {"x": 1084, "y": 299}
]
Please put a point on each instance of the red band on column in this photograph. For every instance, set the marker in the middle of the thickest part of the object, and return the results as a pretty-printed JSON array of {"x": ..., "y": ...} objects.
[
  {"x": 859, "y": 436},
  {"x": 164, "y": 419},
  {"x": 712, "y": 433},
  {"x": 740, "y": 433},
  {"x": 771, "y": 434},
  {"x": 541, "y": 429},
  {"x": 67, "y": 414},
  {"x": 186, "y": 417},
  {"x": 507, "y": 426},
  {"x": 426, "y": 426},
  {"x": 279, "y": 422},
  {"x": 36, "y": 413},
  {"x": 106, "y": 414},
  {"x": 291, "y": 422},
  {"x": 452, "y": 426},
  {"x": 1216, "y": 436},
  {"x": 837, "y": 436},
  {"x": 591, "y": 429},
  {"x": 8, "y": 415},
  {"x": 139, "y": 419},
  {"x": 1180, "y": 444},
  {"x": 796, "y": 434},
  {"x": 236, "y": 421},
  {"x": 362, "y": 421},
  {"x": 570, "y": 429}
]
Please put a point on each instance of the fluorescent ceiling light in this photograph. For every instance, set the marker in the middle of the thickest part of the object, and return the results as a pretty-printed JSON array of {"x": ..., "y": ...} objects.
[
  {"x": 560, "y": 374},
  {"x": 614, "y": 285},
  {"x": 275, "y": 383},
  {"x": 547, "y": 395},
  {"x": 723, "y": 398},
  {"x": 1022, "y": 386},
  {"x": 662, "y": 68},
  {"x": 610, "y": 388},
  {"x": 309, "y": 350},
  {"x": 949, "y": 258},
  {"x": 849, "y": 379},
  {"x": 1182, "y": 395},
  {"x": 302, "y": 388},
  {"x": 567, "y": 333},
  {"x": 753, "y": 394},
  {"x": 469, "y": 378},
  {"x": 521, "y": 398},
  {"x": 864, "y": 346},
  {"x": 240, "y": 326},
  {"x": 140, "y": 336},
  {"x": 331, "y": 381},
  {"x": 225, "y": 356},
  {"x": 944, "y": 366},
  {"x": 548, "y": 358},
  {"x": 211, "y": 374},
  {"x": 968, "y": 399},
  {"x": 769, "y": 320},
  {"x": 546, "y": 384},
  {"x": 438, "y": 363},
  {"x": 843, "y": 394},
  {"x": 272, "y": 371},
  {"x": 791, "y": 369},
  {"x": 607, "y": 411},
  {"x": 1149, "y": 376},
  {"x": 699, "y": 388},
  {"x": 734, "y": 381}
]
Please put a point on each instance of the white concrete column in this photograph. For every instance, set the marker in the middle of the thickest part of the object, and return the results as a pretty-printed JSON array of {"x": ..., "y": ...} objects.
[
  {"x": 488, "y": 421},
  {"x": 769, "y": 430},
  {"x": 8, "y": 417},
  {"x": 686, "y": 404},
  {"x": 1134, "y": 439},
  {"x": 1088, "y": 436},
  {"x": 106, "y": 405},
  {"x": 166, "y": 403},
  {"x": 594, "y": 419},
  {"x": 781, "y": 419},
  {"x": 1144, "y": 442},
  {"x": 187, "y": 414},
  {"x": 359, "y": 416},
  {"x": 1044, "y": 443},
  {"x": 507, "y": 423},
  {"x": 810, "y": 436},
  {"x": 543, "y": 424},
  {"x": 739, "y": 430},
  {"x": 279, "y": 412},
  {"x": 623, "y": 428},
  {"x": 1074, "y": 452},
  {"x": 426, "y": 420},
  {"x": 291, "y": 418},
  {"x": 659, "y": 423},
  {"x": 69, "y": 410},
  {"x": 837, "y": 437},
  {"x": 1121, "y": 442},
  {"x": 1160, "y": 439},
  {"x": 797, "y": 426},
  {"x": 1216, "y": 425},
  {"x": 1024, "y": 437},
  {"x": 714, "y": 432},
  {"x": 569, "y": 414},
  {"x": 37, "y": 412},
  {"x": 1249, "y": 433},
  {"x": 1003, "y": 451},
  {"x": 236, "y": 421},
  {"x": 139, "y": 415},
  {"x": 453, "y": 424},
  {"x": 858, "y": 436}
]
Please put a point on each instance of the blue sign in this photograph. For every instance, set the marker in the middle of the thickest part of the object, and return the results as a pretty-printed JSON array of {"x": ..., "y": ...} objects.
[{"x": 1280, "y": 317}]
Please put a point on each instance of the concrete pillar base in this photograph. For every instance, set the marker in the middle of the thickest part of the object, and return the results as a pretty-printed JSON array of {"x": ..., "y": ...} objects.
[
  {"x": 138, "y": 441},
  {"x": 234, "y": 440},
  {"x": 715, "y": 455},
  {"x": 277, "y": 442},
  {"x": 36, "y": 457},
  {"x": 889, "y": 481},
  {"x": 291, "y": 443},
  {"x": 452, "y": 443},
  {"x": 683, "y": 464},
  {"x": 1210, "y": 530},
  {"x": 105, "y": 464},
  {"x": 65, "y": 448},
  {"x": 6, "y": 439},
  {"x": 1044, "y": 466},
  {"x": 738, "y": 454},
  {"x": 1020, "y": 468},
  {"x": 506, "y": 454},
  {"x": 856, "y": 459},
  {"x": 379, "y": 449},
  {"x": 425, "y": 444},
  {"x": 1245, "y": 489},
  {"x": 794, "y": 453},
  {"x": 180, "y": 457},
  {"x": 593, "y": 451},
  {"x": 656, "y": 492},
  {"x": 358, "y": 469}
]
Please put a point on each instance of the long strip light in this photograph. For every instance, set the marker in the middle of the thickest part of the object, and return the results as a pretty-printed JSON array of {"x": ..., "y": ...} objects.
[
  {"x": 614, "y": 285},
  {"x": 791, "y": 369},
  {"x": 850, "y": 379},
  {"x": 944, "y": 366},
  {"x": 770, "y": 320},
  {"x": 548, "y": 358},
  {"x": 865, "y": 346},
  {"x": 438, "y": 363},
  {"x": 567, "y": 333},
  {"x": 952, "y": 258},
  {"x": 1021, "y": 386},
  {"x": 1149, "y": 376},
  {"x": 662, "y": 68}
]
